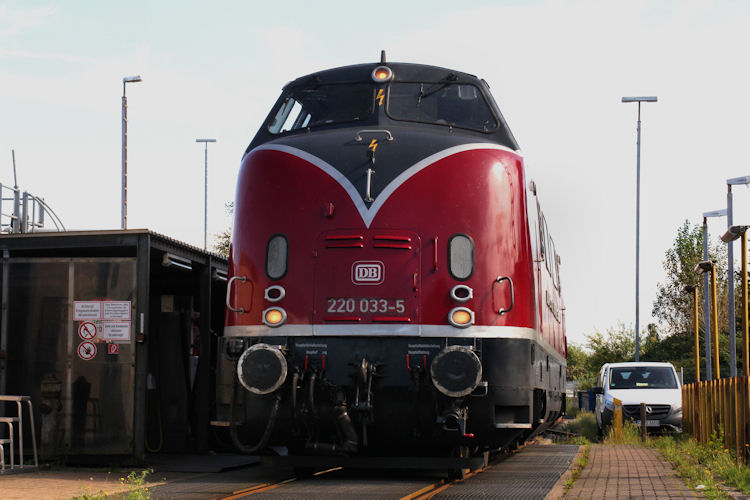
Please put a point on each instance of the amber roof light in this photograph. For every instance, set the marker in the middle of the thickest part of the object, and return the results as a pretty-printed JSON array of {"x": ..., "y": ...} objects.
[{"x": 382, "y": 74}]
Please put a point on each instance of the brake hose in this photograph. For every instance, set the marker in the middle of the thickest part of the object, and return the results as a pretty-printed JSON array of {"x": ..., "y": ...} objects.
[{"x": 266, "y": 434}]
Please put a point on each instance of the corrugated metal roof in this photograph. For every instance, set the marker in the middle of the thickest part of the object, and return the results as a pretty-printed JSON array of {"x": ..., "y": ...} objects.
[{"x": 166, "y": 241}]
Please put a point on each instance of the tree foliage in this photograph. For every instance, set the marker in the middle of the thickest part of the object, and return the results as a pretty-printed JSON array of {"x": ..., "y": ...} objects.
[
  {"x": 673, "y": 338},
  {"x": 616, "y": 345},
  {"x": 224, "y": 238},
  {"x": 673, "y": 307}
]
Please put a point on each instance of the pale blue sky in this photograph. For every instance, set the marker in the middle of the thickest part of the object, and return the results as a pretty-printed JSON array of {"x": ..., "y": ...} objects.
[{"x": 557, "y": 69}]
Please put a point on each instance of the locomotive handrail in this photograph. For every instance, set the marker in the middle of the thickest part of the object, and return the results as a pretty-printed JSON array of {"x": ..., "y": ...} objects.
[
  {"x": 389, "y": 136},
  {"x": 229, "y": 293},
  {"x": 502, "y": 311}
]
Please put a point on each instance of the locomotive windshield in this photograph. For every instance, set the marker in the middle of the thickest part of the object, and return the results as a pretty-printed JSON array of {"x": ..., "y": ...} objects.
[
  {"x": 315, "y": 105},
  {"x": 439, "y": 103},
  {"x": 442, "y": 103}
]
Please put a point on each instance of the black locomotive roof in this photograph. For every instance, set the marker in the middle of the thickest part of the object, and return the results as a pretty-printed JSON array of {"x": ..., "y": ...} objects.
[
  {"x": 402, "y": 72},
  {"x": 497, "y": 130}
]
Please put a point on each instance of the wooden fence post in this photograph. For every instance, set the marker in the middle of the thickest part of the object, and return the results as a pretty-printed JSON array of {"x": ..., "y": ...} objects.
[{"x": 617, "y": 420}]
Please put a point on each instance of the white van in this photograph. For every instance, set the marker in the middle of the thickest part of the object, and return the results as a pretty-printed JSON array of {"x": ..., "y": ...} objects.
[{"x": 655, "y": 384}]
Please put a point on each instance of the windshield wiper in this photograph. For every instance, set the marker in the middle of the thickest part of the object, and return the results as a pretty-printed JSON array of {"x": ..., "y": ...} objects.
[
  {"x": 440, "y": 86},
  {"x": 423, "y": 94}
]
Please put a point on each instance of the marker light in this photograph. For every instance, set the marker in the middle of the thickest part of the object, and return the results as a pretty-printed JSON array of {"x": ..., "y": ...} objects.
[
  {"x": 274, "y": 293},
  {"x": 274, "y": 316},
  {"x": 382, "y": 74},
  {"x": 461, "y": 317},
  {"x": 462, "y": 293}
]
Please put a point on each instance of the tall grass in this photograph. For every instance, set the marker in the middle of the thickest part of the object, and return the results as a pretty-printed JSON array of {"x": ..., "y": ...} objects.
[
  {"x": 584, "y": 425},
  {"x": 709, "y": 464},
  {"x": 631, "y": 434}
]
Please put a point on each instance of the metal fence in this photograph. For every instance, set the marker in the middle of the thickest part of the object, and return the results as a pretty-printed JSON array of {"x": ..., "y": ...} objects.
[{"x": 715, "y": 405}]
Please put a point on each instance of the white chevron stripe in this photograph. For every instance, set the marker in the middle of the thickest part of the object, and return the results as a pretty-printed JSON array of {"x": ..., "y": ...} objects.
[{"x": 368, "y": 214}]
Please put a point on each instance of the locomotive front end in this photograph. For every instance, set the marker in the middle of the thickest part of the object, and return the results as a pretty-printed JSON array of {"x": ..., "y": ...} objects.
[{"x": 384, "y": 296}]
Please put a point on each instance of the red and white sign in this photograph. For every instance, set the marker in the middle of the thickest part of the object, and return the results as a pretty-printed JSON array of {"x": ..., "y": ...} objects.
[
  {"x": 86, "y": 350},
  {"x": 87, "y": 310},
  {"x": 87, "y": 330},
  {"x": 116, "y": 310},
  {"x": 113, "y": 349},
  {"x": 368, "y": 272},
  {"x": 116, "y": 330}
]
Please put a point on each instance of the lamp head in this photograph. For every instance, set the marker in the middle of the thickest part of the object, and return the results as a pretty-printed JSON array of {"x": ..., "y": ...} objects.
[
  {"x": 739, "y": 180},
  {"x": 130, "y": 79},
  {"x": 733, "y": 233},
  {"x": 640, "y": 99},
  {"x": 703, "y": 266},
  {"x": 716, "y": 213}
]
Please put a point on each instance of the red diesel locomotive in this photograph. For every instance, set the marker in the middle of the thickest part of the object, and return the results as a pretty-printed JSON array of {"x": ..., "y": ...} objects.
[{"x": 393, "y": 286}]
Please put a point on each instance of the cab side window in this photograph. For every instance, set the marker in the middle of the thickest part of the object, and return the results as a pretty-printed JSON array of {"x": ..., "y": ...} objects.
[{"x": 542, "y": 234}]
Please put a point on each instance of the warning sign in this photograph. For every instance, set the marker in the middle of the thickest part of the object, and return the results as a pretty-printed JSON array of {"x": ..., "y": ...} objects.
[
  {"x": 116, "y": 330},
  {"x": 113, "y": 349},
  {"x": 87, "y": 310},
  {"x": 116, "y": 310},
  {"x": 86, "y": 350},
  {"x": 87, "y": 330}
]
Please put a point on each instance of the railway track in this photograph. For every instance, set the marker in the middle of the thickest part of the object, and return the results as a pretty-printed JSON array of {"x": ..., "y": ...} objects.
[{"x": 530, "y": 472}]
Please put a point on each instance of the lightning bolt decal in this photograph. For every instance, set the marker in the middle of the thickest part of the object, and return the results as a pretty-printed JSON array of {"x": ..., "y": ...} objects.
[
  {"x": 380, "y": 97},
  {"x": 373, "y": 145}
]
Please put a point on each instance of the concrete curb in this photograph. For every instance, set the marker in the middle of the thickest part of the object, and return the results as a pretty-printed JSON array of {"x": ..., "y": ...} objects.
[{"x": 558, "y": 490}]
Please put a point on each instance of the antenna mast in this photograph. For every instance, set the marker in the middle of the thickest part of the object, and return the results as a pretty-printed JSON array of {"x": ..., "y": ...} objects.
[{"x": 15, "y": 179}]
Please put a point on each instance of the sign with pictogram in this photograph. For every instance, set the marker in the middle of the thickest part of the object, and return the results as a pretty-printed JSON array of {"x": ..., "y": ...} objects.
[
  {"x": 86, "y": 350},
  {"x": 113, "y": 349},
  {"x": 87, "y": 330}
]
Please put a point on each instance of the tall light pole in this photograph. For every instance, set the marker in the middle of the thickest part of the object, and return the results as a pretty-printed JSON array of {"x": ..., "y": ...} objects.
[
  {"x": 730, "y": 270},
  {"x": 703, "y": 267},
  {"x": 205, "y": 193},
  {"x": 639, "y": 100},
  {"x": 732, "y": 234},
  {"x": 706, "y": 301},
  {"x": 693, "y": 290},
  {"x": 124, "y": 211}
]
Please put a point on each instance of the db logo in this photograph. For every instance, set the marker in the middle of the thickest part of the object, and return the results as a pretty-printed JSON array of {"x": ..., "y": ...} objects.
[{"x": 371, "y": 272}]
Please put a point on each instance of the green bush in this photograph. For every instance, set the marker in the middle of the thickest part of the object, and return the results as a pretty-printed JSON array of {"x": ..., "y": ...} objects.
[
  {"x": 584, "y": 424},
  {"x": 571, "y": 408}
]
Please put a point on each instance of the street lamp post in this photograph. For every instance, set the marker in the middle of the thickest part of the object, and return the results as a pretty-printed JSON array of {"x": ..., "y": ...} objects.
[
  {"x": 706, "y": 304},
  {"x": 124, "y": 208},
  {"x": 693, "y": 290},
  {"x": 707, "y": 266},
  {"x": 730, "y": 270},
  {"x": 732, "y": 234},
  {"x": 639, "y": 100},
  {"x": 205, "y": 193}
]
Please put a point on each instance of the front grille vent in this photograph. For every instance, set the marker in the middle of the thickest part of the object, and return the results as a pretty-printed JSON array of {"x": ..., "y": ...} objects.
[
  {"x": 658, "y": 412},
  {"x": 392, "y": 241},
  {"x": 345, "y": 241}
]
